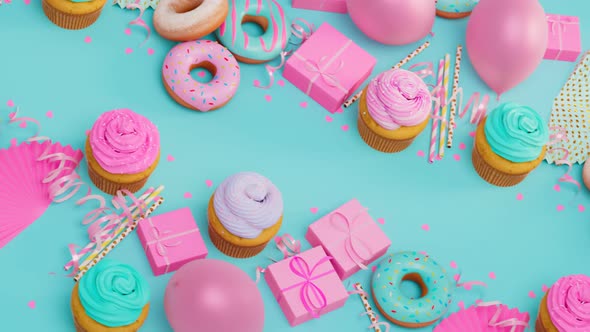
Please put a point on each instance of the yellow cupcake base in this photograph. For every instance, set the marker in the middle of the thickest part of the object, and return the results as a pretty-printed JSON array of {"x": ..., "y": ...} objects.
[
  {"x": 69, "y": 21},
  {"x": 543, "y": 322}
]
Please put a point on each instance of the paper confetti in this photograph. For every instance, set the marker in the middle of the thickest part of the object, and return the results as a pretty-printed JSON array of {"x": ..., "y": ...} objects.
[{"x": 145, "y": 4}]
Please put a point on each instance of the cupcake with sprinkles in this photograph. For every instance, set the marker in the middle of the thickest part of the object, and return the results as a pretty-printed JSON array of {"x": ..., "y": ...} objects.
[
  {"x": 122, "y": 150},
  {"x": 435, "y": 289},
  {"x": 509, "y": 143},
  {"x": 110, "y": 297},
  {"x": 245, "y": 213},
  {"x": 566, "y": 306},
  {"x": 394, "y": 109}
]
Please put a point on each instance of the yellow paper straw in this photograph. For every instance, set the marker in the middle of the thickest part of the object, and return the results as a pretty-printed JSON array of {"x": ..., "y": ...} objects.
[
  {"x": 443, "y": 124},
  {"x": 117, "y": 240}
]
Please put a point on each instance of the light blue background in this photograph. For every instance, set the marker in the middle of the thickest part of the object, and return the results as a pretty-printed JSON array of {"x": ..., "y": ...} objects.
[{"x": 315, "y": 163}]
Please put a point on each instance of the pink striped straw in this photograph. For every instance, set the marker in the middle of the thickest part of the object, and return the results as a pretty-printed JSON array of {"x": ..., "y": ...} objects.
[{"x": 435, "y": 120}]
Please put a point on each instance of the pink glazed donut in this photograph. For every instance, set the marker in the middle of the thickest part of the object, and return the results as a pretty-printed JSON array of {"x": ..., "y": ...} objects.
[
  {"x": 195, "y": 95},
  {"x": 586, "y": 174}
]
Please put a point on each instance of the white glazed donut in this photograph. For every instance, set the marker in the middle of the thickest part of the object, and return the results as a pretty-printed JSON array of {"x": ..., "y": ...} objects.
[{"x": 189, "y": 20}]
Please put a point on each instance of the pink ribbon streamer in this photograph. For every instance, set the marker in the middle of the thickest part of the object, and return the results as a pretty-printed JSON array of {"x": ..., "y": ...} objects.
[
  {"x": 288, "y": 245},
  {"x": 560, "y": 135},
  {"x": 13, "y": 117},
  {"x": 511, "y": 322},
  {"x": 479, "y": 109},
  {"x": 423, "y": 73},
  {"x": 139, "y": 20},
  {"x": 301, "y": 30},
  {"x": 558, "y": 27},
  {"x": 312, "y": 297},
  {"x": 355, "y": 247},
  {"x": 469, "y": 284},
  {"x": 386, "y": 326}
]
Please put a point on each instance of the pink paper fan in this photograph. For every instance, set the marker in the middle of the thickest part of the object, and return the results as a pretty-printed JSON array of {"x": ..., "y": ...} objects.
[
  {"x": 23, "y": 195},
  {"x": 491, "y": 318}
]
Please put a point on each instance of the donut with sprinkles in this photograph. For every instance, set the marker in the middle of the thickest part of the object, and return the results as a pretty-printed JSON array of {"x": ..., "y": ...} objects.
[
  {"x": 195, "y": 95},
  {"x": 435, "y": 285}
]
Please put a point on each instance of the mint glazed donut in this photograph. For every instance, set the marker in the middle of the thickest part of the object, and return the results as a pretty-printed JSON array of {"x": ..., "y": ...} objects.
[
  {"x": 435, "y": 285},
  {"x": 269, "y": 15}
]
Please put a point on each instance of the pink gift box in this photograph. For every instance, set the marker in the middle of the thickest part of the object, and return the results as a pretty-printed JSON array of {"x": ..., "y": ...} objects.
[
  {"x": 171, "y": 240},
  {"x": 329, "y": 67},
  {"x": 306, "y": 286},
  {"x": 565, "y": 41},
  {"x": 335, "y": 6},
  {"x": 350, "y": 236}
]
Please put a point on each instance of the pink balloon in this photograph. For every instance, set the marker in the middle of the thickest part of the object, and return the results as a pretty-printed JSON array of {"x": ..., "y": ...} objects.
[
  {"x": 213, "y": 295},
  {"x": 506, "y": 41},
  {"x": 393, "y": 22}
]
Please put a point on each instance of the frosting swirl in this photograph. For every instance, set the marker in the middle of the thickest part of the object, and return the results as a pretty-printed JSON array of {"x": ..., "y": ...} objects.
[
  {"x": 568, "y": 303},
  {"x": 113, "y": 294},
  {"x": 397, "y": 98},
  {"x": 124, "y": 142},
  {"x": 247, "y": 203},
  {"x": 515, "y": 132}
]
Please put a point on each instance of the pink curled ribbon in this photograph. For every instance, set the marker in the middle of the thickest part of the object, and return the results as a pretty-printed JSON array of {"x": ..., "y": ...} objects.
[
  {"x": 14, "y": 117},
  {"x": 479, "y": 109},
  {"x": 139, "y": 20},
  {"x": 560, "y": 135},
  {"x": 377, "y": 323},
  {"x": 312, "y": 297},
  {"x": 301, "y": 30},
  {"x": 425, "y": 72},
  {"x": 511, "y": 322},
  {"x": 469, "y": 284},
  {"x": 288, "y": 245},
  {"x": 355, "y": 247},
  {"x": 558, "y": 27}
]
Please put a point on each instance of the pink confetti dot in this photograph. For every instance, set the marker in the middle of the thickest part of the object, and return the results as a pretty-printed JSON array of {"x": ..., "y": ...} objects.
[
  {"x": 425, "y": 227},
  {"x": 329, "y": 118},
  {"x": 11, "y": 115},
  {"x": 544, "y": 288},
  {"x": 456, "y": 157},
  {"x": 462, "y": 146},
  {"x": 209, "y": 183},
  {"x": 556, "y": 187},
  {"x": 478, "y": 301},
  {"x": 256, "y": 83},
  {"x": 127, "y": 31},
  {"x": 281, "y": 83},
  {"x": 532, "y": 295},
  {"x": 472, "y": 134},
  {"x": 13, "y": 142},
  {"x": 268, "y": 98},
  {"x": 150, "y": 51},
  {"x": 313, "y": 210},
  {"x": 560, "y": 207},
  {"x": 32, "y": 304},
  {"x": 423, "y": 253},
  {"x": 381, "y": 221},
  {"x": 492, "y": 275},
  {"x": 128, "y": 50},
  {"x": 457, "y": 277},
  {"x": 188, "y": 195},
  {"x": 581, "y": 208},
  {"x": 27, "y": 2},
  {"x": 461, "y": 305},
  {"x": 23, "y": 124},
  {"x": 303, "y": 104},
  {"x": 170, "y": 157},
  {"x": 467, "y": 286},
  {"x": 49, "y": 114},
  {"x": 519, "y": 197},
  {"x": 453, "y": 264},
  {"x": 374, "y": 268},
  {"x": 87, "y": 39},
  {"x": 10, "y": 103},
  {"x": 340, "y": 110},
  {"x": 420, "y": 153},
  {"x": 345, "y": 127}
]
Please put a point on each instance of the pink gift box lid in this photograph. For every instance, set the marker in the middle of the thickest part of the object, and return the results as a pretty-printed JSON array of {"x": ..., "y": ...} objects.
[
  {"x": 333, "y": 231},
  {"x": 343, "y": 63},
  {"x": 285, "y": 283}
]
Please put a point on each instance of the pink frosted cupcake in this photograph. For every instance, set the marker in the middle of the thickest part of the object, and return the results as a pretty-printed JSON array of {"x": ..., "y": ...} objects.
[
  {"x": 394, "y": 109},
  {"x": 566, "y": 306},
  {"x": 122, "y": 149}
]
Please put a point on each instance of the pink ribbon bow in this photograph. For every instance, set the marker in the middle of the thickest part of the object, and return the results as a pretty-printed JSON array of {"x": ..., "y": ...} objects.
[
  {"x": 320, "y": 68},
  {"x": 558, "y": 27},
  {"x": 160, "y": 238},
  {"x": 355, "y": 247},
  {"x": 312, "y": 297}
]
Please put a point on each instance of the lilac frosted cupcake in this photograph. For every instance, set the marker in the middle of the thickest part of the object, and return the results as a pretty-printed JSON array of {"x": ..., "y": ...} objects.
[
  {"x": 245, "y": 213},
  {"x": 394, "y": 109}
]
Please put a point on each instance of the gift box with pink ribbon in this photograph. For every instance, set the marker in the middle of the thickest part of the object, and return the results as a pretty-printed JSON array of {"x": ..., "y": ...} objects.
[
  {"x": 328, "y": 67},
  {"x": 565, "y": 40},
  {"x": 350, "y": 236},
  {"x": 335, "y": 6},
  {"x": 171, "y": 240},
  {"x": 306, "y": 286}
]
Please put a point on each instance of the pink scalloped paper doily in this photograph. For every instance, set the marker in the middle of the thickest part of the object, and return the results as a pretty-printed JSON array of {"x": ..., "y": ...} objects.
[{"x": 478, "y": 318}]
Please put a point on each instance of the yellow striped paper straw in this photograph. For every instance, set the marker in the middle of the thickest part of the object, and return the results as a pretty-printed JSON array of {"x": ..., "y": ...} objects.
[
  {"x": 443, "y": 124},
  {"x": 124, "y": 222}
]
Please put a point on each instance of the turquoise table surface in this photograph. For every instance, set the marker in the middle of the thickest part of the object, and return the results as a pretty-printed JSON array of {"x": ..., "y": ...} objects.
[{"x": 518, "y": 240}]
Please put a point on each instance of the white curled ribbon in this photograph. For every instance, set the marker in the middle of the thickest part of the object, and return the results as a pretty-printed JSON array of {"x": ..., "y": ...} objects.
[{"x": 511, "y": 322}]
